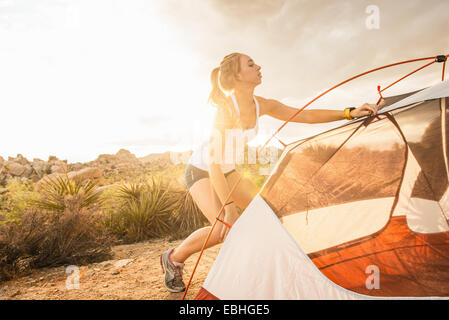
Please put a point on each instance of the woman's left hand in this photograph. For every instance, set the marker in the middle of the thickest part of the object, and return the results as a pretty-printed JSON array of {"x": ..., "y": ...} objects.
[{"x": 366, "y": 109}]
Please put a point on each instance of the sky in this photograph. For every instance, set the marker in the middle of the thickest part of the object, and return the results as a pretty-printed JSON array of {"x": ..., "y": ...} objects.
[{"x": 88, "y": 77}]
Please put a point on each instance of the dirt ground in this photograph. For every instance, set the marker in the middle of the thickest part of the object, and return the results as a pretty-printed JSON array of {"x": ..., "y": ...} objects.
[{"x": 139, "y": 278}]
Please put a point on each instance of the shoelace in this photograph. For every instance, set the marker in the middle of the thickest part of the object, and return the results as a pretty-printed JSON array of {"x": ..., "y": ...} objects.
[{"x": 178, "y": 276}]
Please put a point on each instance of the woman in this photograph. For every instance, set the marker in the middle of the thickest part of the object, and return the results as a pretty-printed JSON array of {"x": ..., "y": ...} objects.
[{"x": 210, "y": 180}]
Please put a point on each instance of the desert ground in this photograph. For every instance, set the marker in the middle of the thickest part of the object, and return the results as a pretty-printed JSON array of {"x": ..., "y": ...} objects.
[{"x": 133, "y": 273}]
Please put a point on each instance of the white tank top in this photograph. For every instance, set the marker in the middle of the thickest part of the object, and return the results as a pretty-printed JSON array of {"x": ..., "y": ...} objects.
[{"x": 200, "y": 156}]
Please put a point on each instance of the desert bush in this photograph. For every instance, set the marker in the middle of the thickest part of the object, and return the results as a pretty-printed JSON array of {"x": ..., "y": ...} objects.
[
  {"x": 187, "y": 217},
  {"x": 60, "y": 226},
  {"x": 41, "y": 239},
  {"x": 59, "y": 194},
  {"x": 144, "y": 211},
  {"x": 16, "y": 199}
]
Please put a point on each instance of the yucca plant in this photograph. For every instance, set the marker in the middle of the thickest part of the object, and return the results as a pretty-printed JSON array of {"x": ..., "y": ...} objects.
[
  {"x": 187, "y": 217},
  {"x": 145, "y": 211},
  {"x": 59, "y": 194}
]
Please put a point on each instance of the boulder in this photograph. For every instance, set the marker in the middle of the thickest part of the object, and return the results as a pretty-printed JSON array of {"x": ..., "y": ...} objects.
[
  {"x": 15, "y": 169},
  {"x": 76, "y": 166},
  {"x": 121, "y": 263},
  {"x": 20, "y": 159},
  {"x": 38, "y": 166},
  {"x": 56, "y": 169},
  {"x": 124, "y": 155},
  {"x": 81, "y": 175},
  {"x": 3, "y": 176},
  {"x": 107, "y": 158},
  {"x": 28, "y": 170},
  {"x": 86, "y": 173}
]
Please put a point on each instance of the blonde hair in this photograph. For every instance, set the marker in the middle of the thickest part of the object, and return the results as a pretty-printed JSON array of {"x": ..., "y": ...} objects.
[{"x": 223, "y": 80}]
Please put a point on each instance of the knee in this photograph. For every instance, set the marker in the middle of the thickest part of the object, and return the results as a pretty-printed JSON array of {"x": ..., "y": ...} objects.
[{"x": 216, "y": 237}]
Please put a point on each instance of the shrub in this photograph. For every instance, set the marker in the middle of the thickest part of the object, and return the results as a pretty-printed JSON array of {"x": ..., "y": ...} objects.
[
  {"x": 43, "y": 240},
  {"x": 187, "y": 217},
  {"x": 144, "y": 212},
  {"x": 63, "y": 227},
  {"x": 16, "y": 200},
  {"x": 60, "y": 194}
]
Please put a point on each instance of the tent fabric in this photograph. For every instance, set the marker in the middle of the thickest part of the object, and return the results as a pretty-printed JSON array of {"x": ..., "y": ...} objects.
[
  {"x": 259, "y": 260},
  {"x": 370, "y": 198}
]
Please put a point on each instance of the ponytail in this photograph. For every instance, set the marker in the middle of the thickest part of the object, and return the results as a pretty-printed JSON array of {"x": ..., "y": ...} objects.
[
  {"x": 223, "y": 81},
  {"x": 217, "y": 97}
]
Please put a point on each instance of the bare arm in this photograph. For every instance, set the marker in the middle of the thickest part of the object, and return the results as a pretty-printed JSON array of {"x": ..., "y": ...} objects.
[{"x": 283, "y": 112}]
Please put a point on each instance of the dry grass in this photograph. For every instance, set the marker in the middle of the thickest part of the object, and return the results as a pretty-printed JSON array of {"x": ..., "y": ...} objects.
[
  {"x": 42, "y": 240},
  {"x": 187, "y": 217}
]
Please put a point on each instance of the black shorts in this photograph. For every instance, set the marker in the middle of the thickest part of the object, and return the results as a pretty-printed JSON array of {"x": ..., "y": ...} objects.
[{"x": 193, "y": 174}]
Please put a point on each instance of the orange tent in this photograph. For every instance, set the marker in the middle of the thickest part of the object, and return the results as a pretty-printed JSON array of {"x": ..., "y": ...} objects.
[{"x": 358, "y": 211}]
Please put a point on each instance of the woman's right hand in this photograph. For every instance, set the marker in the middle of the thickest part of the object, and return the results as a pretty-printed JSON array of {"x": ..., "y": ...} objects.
[{"x": 231, "y": 215}]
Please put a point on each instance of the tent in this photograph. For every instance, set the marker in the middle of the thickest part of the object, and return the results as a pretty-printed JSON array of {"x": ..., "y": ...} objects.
[{"x": 358, "y": 211}]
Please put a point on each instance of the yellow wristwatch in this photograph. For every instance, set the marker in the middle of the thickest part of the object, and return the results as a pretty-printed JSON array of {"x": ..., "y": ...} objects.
[{"x": 348, "y": 113}]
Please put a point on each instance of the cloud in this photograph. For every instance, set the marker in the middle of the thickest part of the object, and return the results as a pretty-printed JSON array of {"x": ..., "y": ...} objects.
[{"x": 116, "y": 61}]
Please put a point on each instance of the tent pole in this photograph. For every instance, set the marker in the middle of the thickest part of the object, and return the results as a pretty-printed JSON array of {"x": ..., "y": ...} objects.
[
  {"x": 442, "y": 76},
  {"x": 443, "y": 134},
  {"x": 435, "y": 58}
]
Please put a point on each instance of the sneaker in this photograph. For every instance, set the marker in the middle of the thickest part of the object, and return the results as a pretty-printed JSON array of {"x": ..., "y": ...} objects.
[{"x": 173, "y": 273}]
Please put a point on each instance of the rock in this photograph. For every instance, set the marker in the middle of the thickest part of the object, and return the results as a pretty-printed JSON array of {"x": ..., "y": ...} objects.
[
  {"x": 76, "y": 166},
  {"x": 121, "y": 263},
  {"x": 35, "y": 178},
  {"x": 28, "y": 170},
  {"x": 81, "y": 175},
  {"x": 106, "y": 158},
  {"x": 3, "y": 179},
  {"x": 15, "y": 293},
  {"x": 56, "y": 169},
  {"x": 39, "y": 167},
  {"x": 2, "y": 161},
  {"x": 114, "y": 273},
  {"x": 20, "y": 159},
  {"x": 106, "y": 263},
  {"x": 124, "y": 154},
  {"x": 86, "y": 173},
  {"x": 16, "y": 169}
]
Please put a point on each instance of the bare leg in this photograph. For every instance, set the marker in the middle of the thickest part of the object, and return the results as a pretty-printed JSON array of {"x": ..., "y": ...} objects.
[
  {"x": 207, "y": 200},
  {"x": 193, "y": 243}
]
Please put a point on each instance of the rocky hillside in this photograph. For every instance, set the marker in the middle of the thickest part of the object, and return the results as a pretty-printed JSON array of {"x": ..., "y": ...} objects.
[{"x": 107, "y": 168}]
